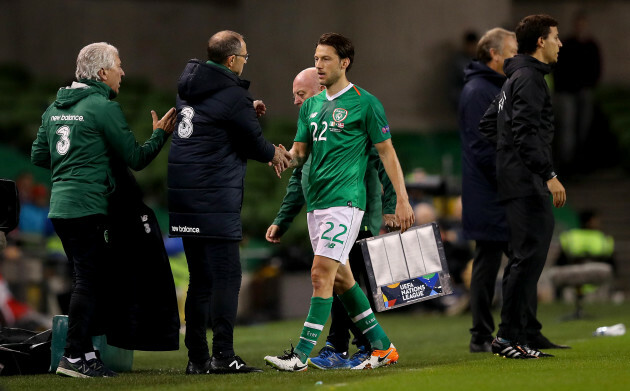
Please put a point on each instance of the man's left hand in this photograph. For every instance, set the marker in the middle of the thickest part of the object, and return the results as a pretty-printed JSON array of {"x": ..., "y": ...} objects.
[
  {"x": 390, "y": 222},
  {"x": 167, "y": 123},
  {"x": 557, "y": 191}
]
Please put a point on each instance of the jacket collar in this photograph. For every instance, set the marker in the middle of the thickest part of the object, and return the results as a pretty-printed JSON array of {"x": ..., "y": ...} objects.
[{"x": 522, "y": 61}]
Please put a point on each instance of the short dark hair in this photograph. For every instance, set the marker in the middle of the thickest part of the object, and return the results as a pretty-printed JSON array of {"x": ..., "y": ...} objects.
[
  {"x": 224, "y": 44},
  {"x": 530, "y": 29},
  {"x": 342, "y": 45}
]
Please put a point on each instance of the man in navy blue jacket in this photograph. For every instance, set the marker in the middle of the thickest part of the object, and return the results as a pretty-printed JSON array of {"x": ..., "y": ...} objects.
[
  {"x": 483, "y": 214},
  {"x": 217, "y": 131},
  {"x": 520, "y": 121}
]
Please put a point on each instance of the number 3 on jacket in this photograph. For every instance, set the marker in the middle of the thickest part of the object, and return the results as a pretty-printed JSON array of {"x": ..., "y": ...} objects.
[
  {"x": 63, "y": 145},
  {"x": 185, "y": 128}
]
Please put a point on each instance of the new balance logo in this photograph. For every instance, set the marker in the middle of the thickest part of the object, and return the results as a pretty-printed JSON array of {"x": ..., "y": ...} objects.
[
  {"x": 236, "y": 364},
  {"x": 330, "y": 245},
  {"x": 184, "y": 229}
]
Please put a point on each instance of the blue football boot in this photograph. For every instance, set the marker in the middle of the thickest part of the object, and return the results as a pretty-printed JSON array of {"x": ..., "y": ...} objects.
[{"x": 329, "y": 358}]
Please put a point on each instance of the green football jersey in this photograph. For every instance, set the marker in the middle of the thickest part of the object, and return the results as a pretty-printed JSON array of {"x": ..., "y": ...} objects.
[{"x": 340, "y": 131}]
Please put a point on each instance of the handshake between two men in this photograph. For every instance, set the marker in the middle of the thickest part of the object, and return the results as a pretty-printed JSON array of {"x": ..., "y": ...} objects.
[{"x": 282, "y": 159}]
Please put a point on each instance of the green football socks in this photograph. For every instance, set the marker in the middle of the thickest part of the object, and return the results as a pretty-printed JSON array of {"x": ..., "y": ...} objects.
[
  {"x": 315, "y": 321},
  {"x": 358, "y": 308}
]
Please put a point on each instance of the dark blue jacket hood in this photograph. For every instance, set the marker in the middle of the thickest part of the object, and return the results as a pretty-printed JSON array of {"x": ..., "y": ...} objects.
[
  {"x": 476, "y": 69},
  {"x": 200, "y": 80}
]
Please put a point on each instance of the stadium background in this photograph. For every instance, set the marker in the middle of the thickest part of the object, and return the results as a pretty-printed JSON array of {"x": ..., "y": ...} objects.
[{"x": 403, "y": 52}]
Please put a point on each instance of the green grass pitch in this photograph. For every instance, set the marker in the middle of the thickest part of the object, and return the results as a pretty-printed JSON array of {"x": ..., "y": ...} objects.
[{"x": 433, "y": 356}]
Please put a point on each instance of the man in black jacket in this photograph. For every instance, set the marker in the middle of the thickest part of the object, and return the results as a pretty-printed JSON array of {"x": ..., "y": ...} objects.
[
  {"x": 483, "y": 215},
  {"x": 522, "y": 118},
  {"x": 217, "y": 131}
]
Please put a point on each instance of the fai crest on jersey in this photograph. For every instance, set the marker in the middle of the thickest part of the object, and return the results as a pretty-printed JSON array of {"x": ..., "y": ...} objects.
[{"x": 340, "y": 114}]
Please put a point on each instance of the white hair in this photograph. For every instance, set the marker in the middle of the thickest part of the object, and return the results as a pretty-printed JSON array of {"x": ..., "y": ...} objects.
[{"x": 93, "y": 58}]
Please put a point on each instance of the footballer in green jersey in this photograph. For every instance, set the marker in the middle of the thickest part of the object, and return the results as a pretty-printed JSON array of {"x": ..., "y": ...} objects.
[
  {"x": 336, "y": 178},
  {"x": 340, "y": 130}
]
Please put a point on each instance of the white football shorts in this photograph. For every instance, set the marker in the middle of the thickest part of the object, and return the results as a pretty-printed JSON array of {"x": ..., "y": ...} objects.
[{"x": 333, "y": 231}]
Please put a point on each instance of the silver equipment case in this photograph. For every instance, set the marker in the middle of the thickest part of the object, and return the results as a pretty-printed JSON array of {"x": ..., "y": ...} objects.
[{"x": 406, "y": 268}]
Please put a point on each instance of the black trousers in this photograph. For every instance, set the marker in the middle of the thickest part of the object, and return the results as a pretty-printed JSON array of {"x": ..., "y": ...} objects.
[
  {"x": 214, "y": 284},
  {"x": 485, "y": 268},
  {"x": 531, "y": 225},
  {"x": 85, "y": 241},
  {"x": 341, "y": 324}
]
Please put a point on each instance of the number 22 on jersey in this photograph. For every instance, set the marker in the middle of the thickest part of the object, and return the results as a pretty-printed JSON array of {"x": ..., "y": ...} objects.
[{"x": 320, "y": 136}]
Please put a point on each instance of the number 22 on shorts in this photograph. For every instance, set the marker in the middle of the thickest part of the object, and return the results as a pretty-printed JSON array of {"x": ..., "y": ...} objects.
[{"x": 330, "y": 228}]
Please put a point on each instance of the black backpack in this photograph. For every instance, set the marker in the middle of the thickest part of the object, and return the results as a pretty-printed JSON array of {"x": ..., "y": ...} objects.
[{"x": 24, "y": 352}]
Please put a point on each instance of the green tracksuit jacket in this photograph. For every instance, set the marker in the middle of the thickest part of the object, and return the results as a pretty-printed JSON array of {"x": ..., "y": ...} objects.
[{"x": 82, "y": 132}]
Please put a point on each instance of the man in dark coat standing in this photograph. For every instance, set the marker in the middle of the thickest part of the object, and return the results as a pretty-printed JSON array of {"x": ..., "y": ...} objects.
[
  {"x": 520, "y": 120},
  {"x": 217, "y": 131},
  {"x": 483, "y": 214}
]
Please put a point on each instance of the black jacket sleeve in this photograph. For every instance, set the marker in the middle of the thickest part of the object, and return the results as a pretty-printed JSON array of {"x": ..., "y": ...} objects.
[
  {"x": 248, "y": 133},
  {"x": 488, "y": 123},
  {"x": 482, "y": 146},
  {"x": 528, "y": 100}
]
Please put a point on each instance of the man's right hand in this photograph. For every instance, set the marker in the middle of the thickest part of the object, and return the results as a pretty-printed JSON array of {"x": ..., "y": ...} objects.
[
  {"x": 557, "y": 191},
  {"x": 404, "y": 215},
  {"x": 281, "y": 159},
  {"x": 167, "y": 123},
  {"x": 273, "y": 235}
]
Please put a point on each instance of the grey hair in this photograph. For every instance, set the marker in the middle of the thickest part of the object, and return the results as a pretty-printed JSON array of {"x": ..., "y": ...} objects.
[
  {"x": 492, "y": 39},
  {"x": 93, "y": 58}
]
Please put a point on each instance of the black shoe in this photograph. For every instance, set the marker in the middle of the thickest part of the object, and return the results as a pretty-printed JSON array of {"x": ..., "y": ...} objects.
[
  {"x": 233, "y": 364},
  {"x": 510, "y": 350},
  {"x": 541, "y": 342},
  {"x": 198, "y": 369},
  {"x": 84, "y": 368},
  {"x": 533, "y": 352},
  {"x": 484, "y": 347}
]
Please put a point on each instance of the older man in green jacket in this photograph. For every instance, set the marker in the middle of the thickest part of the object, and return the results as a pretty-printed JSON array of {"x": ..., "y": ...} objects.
[{"x": 82, "y": 134}]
